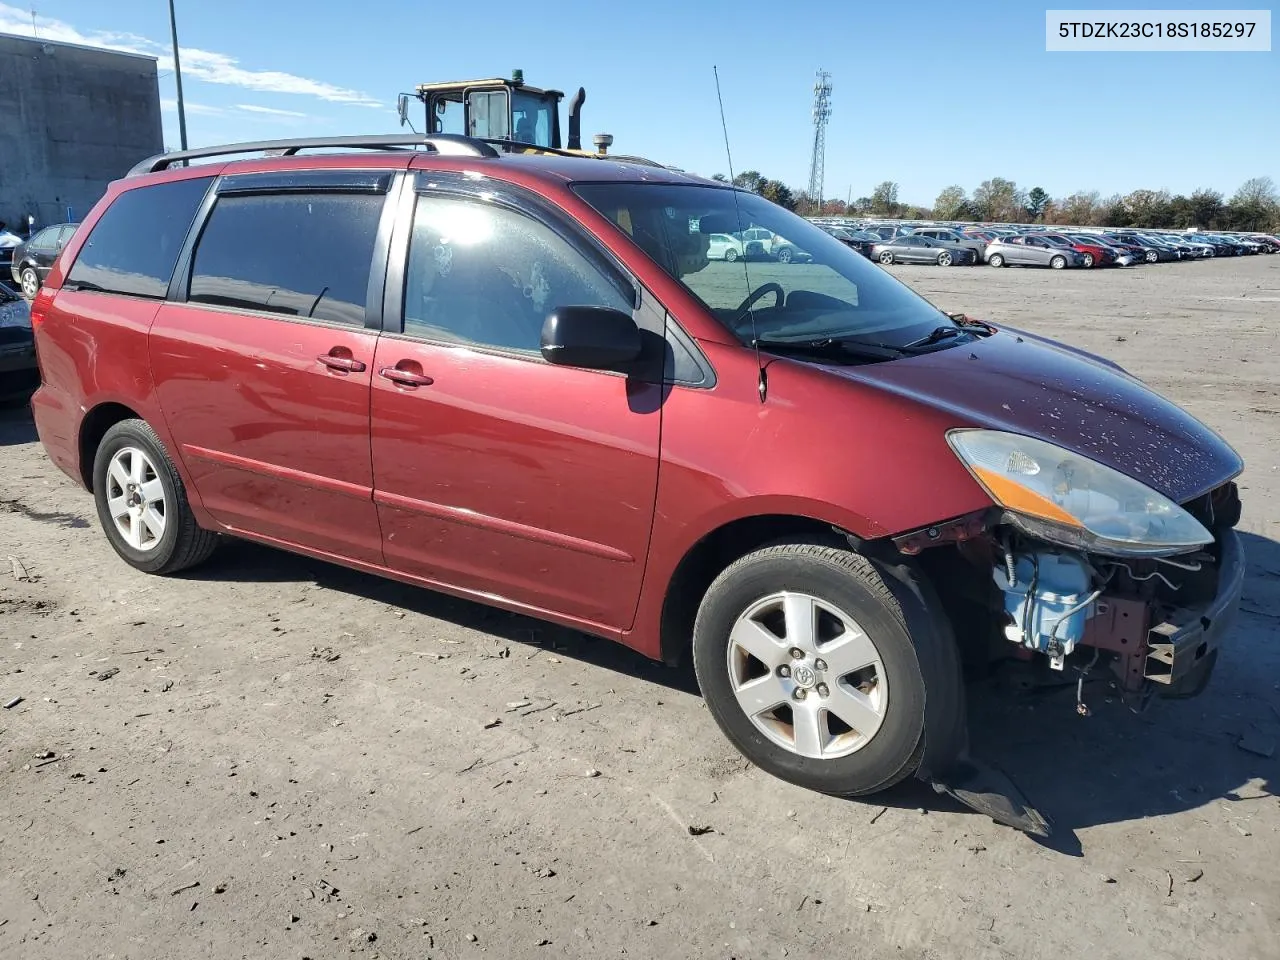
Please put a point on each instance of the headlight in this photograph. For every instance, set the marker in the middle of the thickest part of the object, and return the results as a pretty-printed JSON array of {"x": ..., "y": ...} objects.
[{"x": 1069, "y": 499}]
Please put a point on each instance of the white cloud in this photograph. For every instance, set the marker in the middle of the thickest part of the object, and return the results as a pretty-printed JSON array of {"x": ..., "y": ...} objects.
[
  {"x": 220, "y": 68},
  {"x": 204, "y": 65},
  {"x": 269, "y": 111},
  {"x": 198, "y": 109}
]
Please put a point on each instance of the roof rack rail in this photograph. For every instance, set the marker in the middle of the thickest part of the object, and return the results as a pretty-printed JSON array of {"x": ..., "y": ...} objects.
[{"x": 442, "y": 143}]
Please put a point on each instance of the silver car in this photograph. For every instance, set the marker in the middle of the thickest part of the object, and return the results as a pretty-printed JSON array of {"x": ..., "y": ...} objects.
[
  {"x": 1031, "y": 252},
  {"x": 915, "y": 249},
  {"x": 978, "y": 246}
]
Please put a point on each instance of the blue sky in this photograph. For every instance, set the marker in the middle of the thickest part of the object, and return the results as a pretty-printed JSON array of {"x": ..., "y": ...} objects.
[{"x": 926, "y": 93}]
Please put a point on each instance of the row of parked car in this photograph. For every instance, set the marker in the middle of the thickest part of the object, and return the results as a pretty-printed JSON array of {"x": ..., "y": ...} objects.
[{"x": 1001, "y": 246}]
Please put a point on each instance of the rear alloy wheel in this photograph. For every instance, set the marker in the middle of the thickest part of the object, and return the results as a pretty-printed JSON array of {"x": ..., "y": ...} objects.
[
  {"x": 1088, "y": 259},
  {"x": 1152, "y": 256},
  {"x": 1058, "y": 262},
  {"x": 731, "y": 255},
  {"x": 886, "y": 258},
  {"x": 785, "y": 255},
  {"x": 805, "y": 663},
  {"x": 30, "y": 282},
  {"x": 142, "y": 503},
  {"x": 996, "y": 260},
  {"x": 944, "y": 259}
]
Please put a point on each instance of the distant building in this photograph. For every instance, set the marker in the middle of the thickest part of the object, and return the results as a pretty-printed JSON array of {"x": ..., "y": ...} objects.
[{"x": 72, "y": 119}]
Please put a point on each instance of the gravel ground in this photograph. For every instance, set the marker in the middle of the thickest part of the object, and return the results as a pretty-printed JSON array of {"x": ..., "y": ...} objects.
[{"x": 273, "y": 757}]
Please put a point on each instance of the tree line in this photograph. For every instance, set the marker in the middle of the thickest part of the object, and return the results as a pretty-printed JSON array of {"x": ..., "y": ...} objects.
[{"x": 1255, "y": 206}]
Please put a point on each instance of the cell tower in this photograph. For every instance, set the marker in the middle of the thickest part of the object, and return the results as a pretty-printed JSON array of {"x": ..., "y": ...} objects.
[{"x": 821, "y": 114}]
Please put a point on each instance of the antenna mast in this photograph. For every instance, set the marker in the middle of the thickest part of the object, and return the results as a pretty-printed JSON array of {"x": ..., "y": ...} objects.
[{"x": 821, "y": 114}]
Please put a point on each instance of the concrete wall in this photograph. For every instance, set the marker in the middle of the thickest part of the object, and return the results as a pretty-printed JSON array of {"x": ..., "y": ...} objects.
[{"x": 72, "y": 119}]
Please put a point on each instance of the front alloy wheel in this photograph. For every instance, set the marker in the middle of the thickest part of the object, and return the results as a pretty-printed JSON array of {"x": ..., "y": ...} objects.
[
  {"x": 944, "y": 259},
  {"x": 807, "y": 676},
  {"x": 1058, "y": 262},
  {"x": 886, "y": 258}
]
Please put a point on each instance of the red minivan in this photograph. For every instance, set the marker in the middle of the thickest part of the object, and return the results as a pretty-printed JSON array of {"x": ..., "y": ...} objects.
[{"x": 519, "y": 379}]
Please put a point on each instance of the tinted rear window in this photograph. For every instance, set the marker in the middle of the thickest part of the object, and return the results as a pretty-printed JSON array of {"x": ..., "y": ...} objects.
[
  {"x": 134, "y": 247},
  {"x": 301, "y": 255}
]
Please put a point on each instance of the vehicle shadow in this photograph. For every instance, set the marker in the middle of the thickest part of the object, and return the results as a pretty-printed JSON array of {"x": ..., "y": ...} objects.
[
  {"x": 249, "y": 562},
  {"x": 1111, "y": 767},
  {"x": 16, "y": 425}
]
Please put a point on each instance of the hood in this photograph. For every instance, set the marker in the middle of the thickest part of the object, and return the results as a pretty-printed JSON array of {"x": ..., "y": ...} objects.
[{"x": 1021, "y": 383}]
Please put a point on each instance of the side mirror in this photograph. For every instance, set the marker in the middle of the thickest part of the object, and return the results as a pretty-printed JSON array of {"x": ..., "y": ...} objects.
[{"x": 598, "y": 338}]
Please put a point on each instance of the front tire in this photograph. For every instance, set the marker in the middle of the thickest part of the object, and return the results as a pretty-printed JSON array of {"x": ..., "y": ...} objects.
[
  {"x": 944, "y": 259},
  {"x": 846, "y": 716},
  {"x": 142, "y": 503},
  {"x": 731, "y": 255},
  {"x": 886, "y": 258},
  {"x": 996, "y": 260},
  {"x": 1058, "y": 262},
  {"x": 785, "y": 255}
]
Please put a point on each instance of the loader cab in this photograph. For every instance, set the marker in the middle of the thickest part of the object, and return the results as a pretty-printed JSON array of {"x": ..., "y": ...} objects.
[{"x": 500, "y": 109}]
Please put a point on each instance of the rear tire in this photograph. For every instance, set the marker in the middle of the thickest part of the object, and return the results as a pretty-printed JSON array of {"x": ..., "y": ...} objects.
[
  {"x": 1088, "y": 260},
  {"x": 142, "y": 503},
  {"x": 1058, "y": 262},
  {"x": 1152, "y": 256},
  {"x": 731, "y": 255},
  {"x": 790, "y": 715},
  {"x": 30, "y": 282},
  {"x": 996, "y": 260}
]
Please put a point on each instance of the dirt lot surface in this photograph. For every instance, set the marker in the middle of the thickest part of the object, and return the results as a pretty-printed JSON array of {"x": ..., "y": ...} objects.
[{"x": 294, "y": 760}]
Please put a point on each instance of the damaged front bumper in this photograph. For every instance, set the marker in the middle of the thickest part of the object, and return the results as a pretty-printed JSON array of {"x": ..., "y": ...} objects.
[{"x": 1166, "y": 649}]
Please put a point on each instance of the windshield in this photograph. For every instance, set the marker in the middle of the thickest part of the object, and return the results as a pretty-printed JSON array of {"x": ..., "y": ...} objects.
[{"x": 822, "y": 290}]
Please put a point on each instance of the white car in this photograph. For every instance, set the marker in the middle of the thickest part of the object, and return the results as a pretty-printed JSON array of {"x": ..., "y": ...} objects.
[
  {"x": 9, "y": 241},
  {"x": 724, "y": 247}
]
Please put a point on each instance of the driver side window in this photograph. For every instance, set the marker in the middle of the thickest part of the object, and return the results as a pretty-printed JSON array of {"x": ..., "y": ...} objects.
[{"x": 487, "y": 275}]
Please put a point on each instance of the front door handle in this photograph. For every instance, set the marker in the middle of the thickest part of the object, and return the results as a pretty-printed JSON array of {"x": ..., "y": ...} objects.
[
  {"x": 339, "y": 362},
  {"x": 406, "y": 378}
]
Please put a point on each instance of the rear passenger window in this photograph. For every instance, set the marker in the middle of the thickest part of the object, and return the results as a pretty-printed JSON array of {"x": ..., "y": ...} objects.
[
  {"x": 297, "y": 254},
  {"x": 45, "y": 240},
  {"x": 134, "y": 247}
]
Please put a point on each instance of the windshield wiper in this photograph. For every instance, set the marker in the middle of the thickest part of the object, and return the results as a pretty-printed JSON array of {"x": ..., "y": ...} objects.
[{"x": 937, "y": 335}]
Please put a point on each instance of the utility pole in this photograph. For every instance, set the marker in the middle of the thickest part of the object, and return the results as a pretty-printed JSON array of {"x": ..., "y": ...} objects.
[
  {"x": 177, "y": 74},
  {"x": 821, "y": 114}
]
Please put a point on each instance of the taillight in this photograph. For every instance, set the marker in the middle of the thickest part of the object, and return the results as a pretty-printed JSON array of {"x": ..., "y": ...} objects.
[{"x": 39, "y": 307}]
